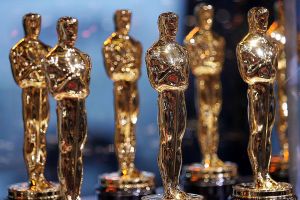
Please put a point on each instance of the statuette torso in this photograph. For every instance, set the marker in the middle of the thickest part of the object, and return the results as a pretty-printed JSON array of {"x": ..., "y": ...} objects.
[
  {"x": 75, "y": 65},
  {"x": 26, "y": 57},
  {"x": 169, "y": 66},
  {"x": 258, "y": 55},
  {"x": 122, "y": 57}
]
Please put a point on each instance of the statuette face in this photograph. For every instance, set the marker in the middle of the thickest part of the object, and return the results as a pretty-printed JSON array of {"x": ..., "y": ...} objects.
[
  {"x": 204, "y": 14},
  {"x": 123, "y": 21},
  {"x": 68, "y": 69},
  {"x": 258, "y": 20}
]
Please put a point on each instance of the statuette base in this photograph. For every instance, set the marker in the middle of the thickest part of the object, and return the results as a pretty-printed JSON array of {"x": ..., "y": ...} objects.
[
  {"x": 113, "y": 186},
  {"x": 244, "y": 191},
  {"x": 161, "y": 197},
  {"x": 211, "y": 176},
  {"x": 22, "y": 191},
  {"x": 214, "y": 183}
]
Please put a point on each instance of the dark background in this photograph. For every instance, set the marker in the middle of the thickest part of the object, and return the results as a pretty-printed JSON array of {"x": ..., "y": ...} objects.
[{"x": 95, "y": 25}]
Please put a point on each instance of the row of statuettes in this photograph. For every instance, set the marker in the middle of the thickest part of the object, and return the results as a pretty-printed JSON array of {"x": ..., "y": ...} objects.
[{"x": 64, "y": 71}]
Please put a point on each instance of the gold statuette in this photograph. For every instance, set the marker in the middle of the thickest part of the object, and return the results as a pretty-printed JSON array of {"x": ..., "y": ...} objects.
[
  {"x": 168, "y": 69},
  {"x": 68, "y": 77},
  {"x": 122, "y": 59},
  {"x": 27, "y": 67},
  {"x": 206, "y": 53},
  {"x": 279, "y": 164},
  {"x": 257, "y": 56}
]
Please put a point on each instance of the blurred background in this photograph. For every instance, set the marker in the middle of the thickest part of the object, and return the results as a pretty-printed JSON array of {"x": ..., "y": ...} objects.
[{"x": 95, "y": 25}]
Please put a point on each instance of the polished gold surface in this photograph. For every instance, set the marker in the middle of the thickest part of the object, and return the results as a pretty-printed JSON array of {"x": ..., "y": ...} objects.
[
  {"x": 68, "y": 76},
  {"x": 24, "y": 191},
  {"x": 122, "y": 58},
  {"x": 168, "y": 71},
  {"x": 27, "y": 67},
  {"x": 162, "y": 197},
  {"x": 277, "y": 32},
  {"x": 206, "y": 53},
  {"x": 198, "y": 174},
  {"x": 114, "y": 182},
  {"x": 257, "y": 56},
  {"x": 249, "y": 191}
]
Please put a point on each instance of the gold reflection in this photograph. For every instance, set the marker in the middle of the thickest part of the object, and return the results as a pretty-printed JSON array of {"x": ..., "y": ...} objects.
[
  {"x": 168, "y": 71},
  {"x": 277, "y": 32},
  {"x": 257, "y": 58},
  {"x": 122, "y": 58},
  {"x": 27, "y": 67},
  {"x": 68, "y": 77},
  {"x": 206, "y": 50},
  {"x": 206, "y": 53}
]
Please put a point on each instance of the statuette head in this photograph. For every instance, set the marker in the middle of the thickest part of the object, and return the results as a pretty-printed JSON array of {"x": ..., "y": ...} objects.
[
  {"x": 67, "y": 28},
  {"x": 258, "y": 19},
  {"x": 167, "y": 25},
  {"x": 122, "y": 21},
  {"x": 32, "y": 25},
  {"x": 204, "y": 15}
]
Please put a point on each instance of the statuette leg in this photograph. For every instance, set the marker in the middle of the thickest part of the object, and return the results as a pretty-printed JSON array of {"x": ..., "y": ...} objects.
[
  {"x": 72, "y": 130},
  {"x": 36, "y": 118}
]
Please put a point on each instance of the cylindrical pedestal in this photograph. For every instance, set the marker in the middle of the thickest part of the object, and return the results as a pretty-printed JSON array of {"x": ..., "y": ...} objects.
[
  {"x": 246, "y": 191},
  {"x": 160, "y": 197},
  {"x": 22, "y": 191},
  {"x": 115, "y": 187},
  {"x": 212, "y": 183},
  {"x": 279, "y": 169}
]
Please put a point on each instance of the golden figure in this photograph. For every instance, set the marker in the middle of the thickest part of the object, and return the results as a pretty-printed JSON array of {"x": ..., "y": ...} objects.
[
  {"x": 257, "y": 56},
  {"x": 27, "y": 67},
  {"x": 206, "y": 53},
  {"x": 122, "y": 58},
  {"x": 68, "y": 76},
  {"x": 276, "y": 31},
  {"x": 168, "y": 71}
]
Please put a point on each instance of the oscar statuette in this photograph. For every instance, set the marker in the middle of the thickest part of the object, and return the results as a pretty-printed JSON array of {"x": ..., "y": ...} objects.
[
  {"x": 122, "y": 59},
  {"x": 28, "y": 71},
  {"x": 211, "y": 178},
  {"x": 279, "y": 163},
  {"x": 68, "y": 76},
  {"x": 257, "y": 56},
  {"x": 168, "y": 71}
]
